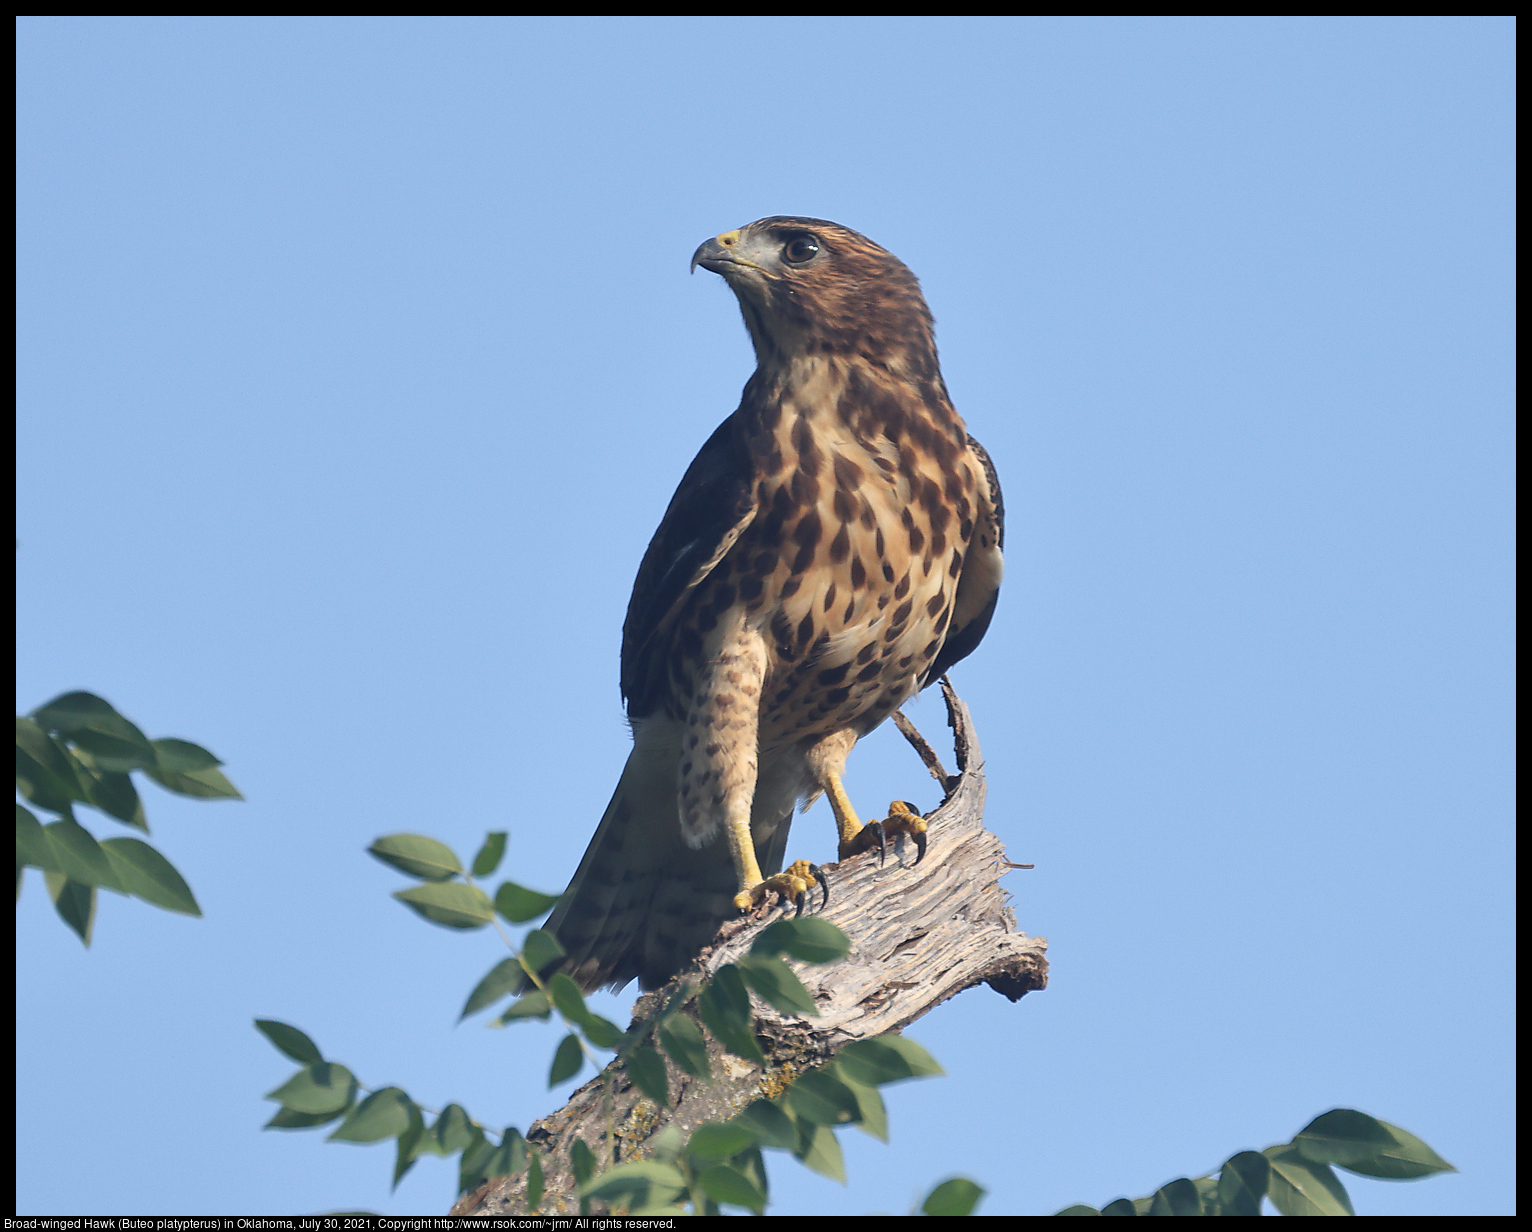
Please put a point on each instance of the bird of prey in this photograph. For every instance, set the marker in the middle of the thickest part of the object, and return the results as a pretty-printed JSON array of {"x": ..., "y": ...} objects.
[{"x": 834, "y": 547}]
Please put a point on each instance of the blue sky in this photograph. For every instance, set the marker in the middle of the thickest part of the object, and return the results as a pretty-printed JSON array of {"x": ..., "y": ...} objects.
[{"x": 358, "y": 361}]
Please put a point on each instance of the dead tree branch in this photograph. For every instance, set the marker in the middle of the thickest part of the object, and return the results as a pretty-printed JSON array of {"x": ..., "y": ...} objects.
[{"x": 918, "y": 936}]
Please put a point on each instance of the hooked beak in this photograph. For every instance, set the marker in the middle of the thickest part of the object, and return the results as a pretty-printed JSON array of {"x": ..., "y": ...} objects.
[{"x": 718, "y": 253}]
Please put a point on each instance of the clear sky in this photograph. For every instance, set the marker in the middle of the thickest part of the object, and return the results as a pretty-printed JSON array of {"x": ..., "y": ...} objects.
[{"x": 358, "y": 361}]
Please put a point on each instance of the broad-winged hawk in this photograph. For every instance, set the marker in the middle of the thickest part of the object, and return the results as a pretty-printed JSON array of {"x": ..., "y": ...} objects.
[{"x": 833, "y": 548}]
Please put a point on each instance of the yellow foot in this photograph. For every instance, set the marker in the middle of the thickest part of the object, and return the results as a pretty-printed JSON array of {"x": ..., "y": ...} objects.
[
  {"x": 903, "y": 818},
  {"x": 792, "y": 883}
]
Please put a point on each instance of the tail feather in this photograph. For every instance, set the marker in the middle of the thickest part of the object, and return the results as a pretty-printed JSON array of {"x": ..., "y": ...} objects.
[{"x": 643, "y": 903}]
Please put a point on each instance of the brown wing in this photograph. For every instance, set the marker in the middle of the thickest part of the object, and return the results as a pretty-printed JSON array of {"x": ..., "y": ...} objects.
[
  {"x": 983, "y": 567},
  {"x": 712, "y": 506}
]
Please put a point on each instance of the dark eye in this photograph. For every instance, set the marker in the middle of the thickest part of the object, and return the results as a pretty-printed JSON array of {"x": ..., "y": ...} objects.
[{"x": 799, "y": 249}]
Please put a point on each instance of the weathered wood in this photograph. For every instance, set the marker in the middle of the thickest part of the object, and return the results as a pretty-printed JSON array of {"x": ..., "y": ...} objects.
[{"x": 919, "y": 935}]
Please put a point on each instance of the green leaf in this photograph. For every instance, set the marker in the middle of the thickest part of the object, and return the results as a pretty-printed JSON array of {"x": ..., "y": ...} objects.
[
  {"x": 637, "y": 1183},
  {"x": 510, "y": 1156},
  {"x": 1179, "y": 1197},
  {"x": 669, "y": 1144},
  {"x": 209, "y": 784},
  {"x": 504, "y": 978},
  {"x": 323, "y": 1087},
  {"x": 810, "y": 939},
  {"x": 409, "y": 1143},
  {"x": 884, "y": 1059},
  {"x": 75, "y": 903},
  {"x": 567, "y": 998},
  {"x": 647, "y": 1070},
  {"x": 95, "y": 726},
  {"x": 751, "y": 1164},
  {"x": 719, "y": 1140},
  {"x": 773, "y": 981},
  {"x": 539, "y": 951},
  {"x": 490, "y": 855},
  {"x": 822, "y": 1098},
  {"x": 768, "y": 1125},
  {"x": 1299, "y": 1186},
  {"x": 1363, "y": 1144},
  {"x": 428, "y": 1144},
  {"x": 570, "y": 1002},
  {"x": 454, "y": 1131},
  {"x": 80, "y": 857},
  {"x": 872, "y": 1115},
  {"x": 115, "y": 795},
  {"x": 383, "y": 1114},
  {"x": 451, "y": 904},
  {"x": 955, "y": 1197},
  {"x": 533, "y": 1005},
  {"x": 289, "y": 1040},
  {"x": 418, "y": 856},
  {"x": 534, "y": 1181},
  {"x": 1079, "y": 1208},
  {"x": 1242, "y": 1183},
  {"x": 190, "y": 770},
  {"x": 685, "y": 1046},
  {"x": 725, "y": 1184},
  {"x": 144, "y": 873},
  {"x": 112, "y": 793},
  {"x": 725, "y": 1009},
  {"x": 519, "y": 904},
  {"x": 470, "y": 1168},
  {"x": 33, "y": 850},
  {"x": 582, "y": 1161},
  {"x": 286, "y": 1118},
  {"x": 820, "y": 1152},
  {"x": 77, "y": 710},
  {"x": 1122, "y": 1207},
  {"x": 45, "y": 773},
  {"x": 567, "y": 1060},
  {"x": 602, "y": 1032},
  {"x": 174, "y": 756}
]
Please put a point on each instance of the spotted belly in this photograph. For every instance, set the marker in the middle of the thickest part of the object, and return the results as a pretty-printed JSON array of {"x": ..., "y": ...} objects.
[{"x": 849, "y": 619}]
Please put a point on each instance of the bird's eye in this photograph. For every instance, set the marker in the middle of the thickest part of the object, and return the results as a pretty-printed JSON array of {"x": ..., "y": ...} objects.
[{"x": 800, "y": 249}]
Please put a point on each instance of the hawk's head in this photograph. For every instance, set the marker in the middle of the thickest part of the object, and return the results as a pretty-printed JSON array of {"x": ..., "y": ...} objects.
[{"x": 808, "y": 286}]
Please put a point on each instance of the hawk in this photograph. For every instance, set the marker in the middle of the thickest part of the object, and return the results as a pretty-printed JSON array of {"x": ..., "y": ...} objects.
[{"x": 834, "y": 547}]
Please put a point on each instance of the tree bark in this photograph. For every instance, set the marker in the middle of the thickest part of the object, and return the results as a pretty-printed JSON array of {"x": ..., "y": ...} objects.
[{"x": 918, "y": 936}]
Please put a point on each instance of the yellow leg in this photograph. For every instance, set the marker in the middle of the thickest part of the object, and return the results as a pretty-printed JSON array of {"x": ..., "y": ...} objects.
[
  {"x": 743, "y": 848},
  {"x": 903, "y": 818},
  {"x": 793, "y": 882},
  {"x": 846, "y": 821}
]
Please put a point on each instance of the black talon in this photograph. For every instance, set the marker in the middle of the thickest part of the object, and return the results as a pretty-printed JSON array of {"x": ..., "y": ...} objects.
[
  {"x": 824, "y": 884},
  {"x": 920, "y": 845},
  {"x": 877, "y": 828},
  {"x": 801, "y": 896}
]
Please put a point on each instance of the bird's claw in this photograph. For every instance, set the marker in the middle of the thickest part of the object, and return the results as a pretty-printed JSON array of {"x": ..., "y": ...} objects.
[
  {"x": 793, "y": 884},
  {"x": 803, "y": 895},
  {"x": 881, "y": 836},
  {"x": 903, "y": 818}
]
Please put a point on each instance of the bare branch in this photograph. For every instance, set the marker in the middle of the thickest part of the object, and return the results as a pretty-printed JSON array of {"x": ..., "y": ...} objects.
[{"x": 918, "y": 936}]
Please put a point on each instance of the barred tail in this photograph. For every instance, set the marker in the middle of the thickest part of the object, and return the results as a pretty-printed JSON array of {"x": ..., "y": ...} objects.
[{"x": 642, "y": 903}]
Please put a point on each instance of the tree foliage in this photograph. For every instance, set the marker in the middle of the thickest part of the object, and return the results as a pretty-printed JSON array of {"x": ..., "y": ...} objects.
[
  {"x": 1298, "y": 1176},
  {"x": 77, "y": 750},
  {"x": 721, "y": 1164}
]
